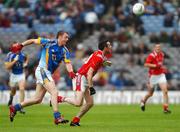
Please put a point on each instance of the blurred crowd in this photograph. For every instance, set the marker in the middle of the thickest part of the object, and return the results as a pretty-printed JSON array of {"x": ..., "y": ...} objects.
[{"x": 113, "y": 19}]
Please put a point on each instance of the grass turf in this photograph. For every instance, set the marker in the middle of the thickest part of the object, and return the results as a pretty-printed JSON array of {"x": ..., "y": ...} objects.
[{"x": 101, "y": 118}]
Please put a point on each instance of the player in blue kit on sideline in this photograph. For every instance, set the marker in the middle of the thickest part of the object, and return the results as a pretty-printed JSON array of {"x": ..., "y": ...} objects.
[
  {"x": 52, "y": 54},
  {"x": 15, "y": 62}
]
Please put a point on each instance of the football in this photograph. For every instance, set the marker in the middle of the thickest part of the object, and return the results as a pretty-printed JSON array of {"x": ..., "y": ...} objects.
[{"x": 138, "y": 9}]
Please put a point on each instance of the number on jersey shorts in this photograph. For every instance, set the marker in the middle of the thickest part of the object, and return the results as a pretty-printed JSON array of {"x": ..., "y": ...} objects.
[
  {"x": 157, "y": 79},
  {"x": 43, "y": 75},
  {"x": 15, "y": 78},
  {"x": 79, "y": 83}
]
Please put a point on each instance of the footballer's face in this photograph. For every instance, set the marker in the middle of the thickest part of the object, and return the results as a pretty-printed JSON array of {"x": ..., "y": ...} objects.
[
  {"x": 157, "y": 48},
  {"x": 109, "y": 47},
  {"x": 17, "y": 52},
  {"x": 108, "y": 50},
  {"x": 63, "y": 39}
]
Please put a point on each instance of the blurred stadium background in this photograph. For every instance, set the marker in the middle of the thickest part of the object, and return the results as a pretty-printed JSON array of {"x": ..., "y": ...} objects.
[{"x": 88, "y": 22}]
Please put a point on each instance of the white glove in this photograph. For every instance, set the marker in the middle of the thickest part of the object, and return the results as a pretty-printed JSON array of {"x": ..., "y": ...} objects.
[{"x": 16, "y": 58}]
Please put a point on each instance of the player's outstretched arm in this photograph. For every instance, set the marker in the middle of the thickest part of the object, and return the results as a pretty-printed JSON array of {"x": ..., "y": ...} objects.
[
  {"x": 18, "y": 46},
  {"x": 90, "y": 81},
  {"x": 69, "y": 68},
  {"x": 30, "y": 41},
  {"x": 90, "y": 76}
]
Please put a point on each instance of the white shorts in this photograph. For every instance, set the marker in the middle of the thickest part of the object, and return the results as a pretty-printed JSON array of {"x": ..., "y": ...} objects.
[
  {"x": 157, "y": 79},
  {"x": 43, "y": 75},
  {"x": 79, "y": 83},
  {"x": 15, "y": 78}
]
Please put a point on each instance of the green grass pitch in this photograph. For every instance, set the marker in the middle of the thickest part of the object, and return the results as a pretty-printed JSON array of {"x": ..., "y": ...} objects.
[{"x": 101, "y": 118}]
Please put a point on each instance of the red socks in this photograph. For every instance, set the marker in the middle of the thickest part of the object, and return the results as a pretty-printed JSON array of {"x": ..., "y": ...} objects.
[
  {"x": 165, "y": 106},
  {"x": 76, "y": 119},
  {"x": 60, "y": 99}
]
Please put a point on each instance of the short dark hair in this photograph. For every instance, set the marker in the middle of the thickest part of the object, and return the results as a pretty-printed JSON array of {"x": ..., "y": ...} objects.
[
  {"x": 102, "y": 44},
  {"x": 60, "y": 33}
]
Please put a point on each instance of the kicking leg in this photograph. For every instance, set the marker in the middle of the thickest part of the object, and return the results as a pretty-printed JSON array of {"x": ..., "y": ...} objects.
[
  {"x": 22, "y": 93},
  {"x": 147, "y": 96},
  {"x": 21, "y": 90},
  {"x": 12, "y": 93},
  {"x": 84, "y": 109},
  {"x": 89, "y": 103},
  {"x": 79, "y": 88},
  {"x": 77, "y": 100},
  {"x": 51, "y": 88},
  {"x": 40, "y": 92}
]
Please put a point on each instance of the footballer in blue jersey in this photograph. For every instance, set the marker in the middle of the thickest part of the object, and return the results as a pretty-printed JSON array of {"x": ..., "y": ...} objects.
[
  {"x": 52, "y": 54},
  {"x": 18, "y": 67},
  {"x": 15, "y": 64}
]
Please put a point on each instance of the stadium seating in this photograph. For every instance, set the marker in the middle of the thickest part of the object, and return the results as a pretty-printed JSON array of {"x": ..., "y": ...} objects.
[{"x": 151, "y": 23}]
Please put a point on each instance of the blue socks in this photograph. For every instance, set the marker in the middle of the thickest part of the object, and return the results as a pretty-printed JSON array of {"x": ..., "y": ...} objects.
[
  {"x": 57, "y": 115},
  {"x": 18, "y": 107}
]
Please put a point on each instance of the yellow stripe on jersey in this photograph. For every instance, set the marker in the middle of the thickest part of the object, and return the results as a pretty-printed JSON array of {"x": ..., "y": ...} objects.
[
  {"x": 39, "y": 40},
  {"x": 66, "y": 60},
  {"x": 47, "y": 57}
]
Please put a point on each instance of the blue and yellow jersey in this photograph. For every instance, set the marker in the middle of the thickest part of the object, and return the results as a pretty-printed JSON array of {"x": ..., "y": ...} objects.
[
  {"x": 17, "y": 68},
  {"x": 52, "y": 54}
]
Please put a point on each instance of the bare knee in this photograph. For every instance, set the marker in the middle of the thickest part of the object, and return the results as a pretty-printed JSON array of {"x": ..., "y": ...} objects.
[
  {"x": 165, "y": 92},
  {"x": 13, "y": 93},
  {"x": 78, "y": 103},
  {"x": 21, "y": 90}
]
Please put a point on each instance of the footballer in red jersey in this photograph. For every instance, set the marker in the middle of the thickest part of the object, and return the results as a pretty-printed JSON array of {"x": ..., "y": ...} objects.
[
  {"x": 83, "y": 82},
  {"x": 157, "y": 71}
]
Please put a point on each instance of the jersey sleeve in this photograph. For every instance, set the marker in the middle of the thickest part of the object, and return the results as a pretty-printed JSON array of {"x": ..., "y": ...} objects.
[
  {"x": 149, "y": 59},
  {"x": 8, "y": 58},
  {"x": 44, "y": 41},
  {"x": 67, "y": 55}
]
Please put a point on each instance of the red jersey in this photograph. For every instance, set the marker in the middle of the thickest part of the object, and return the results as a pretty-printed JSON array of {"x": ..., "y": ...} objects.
[
  {"x": 95, "y": 61},
  {"x": 158, "y": 59}
]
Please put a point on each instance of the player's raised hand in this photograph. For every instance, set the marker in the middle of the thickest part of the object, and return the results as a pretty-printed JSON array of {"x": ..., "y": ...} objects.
[{"x": 107, "y": 63}]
